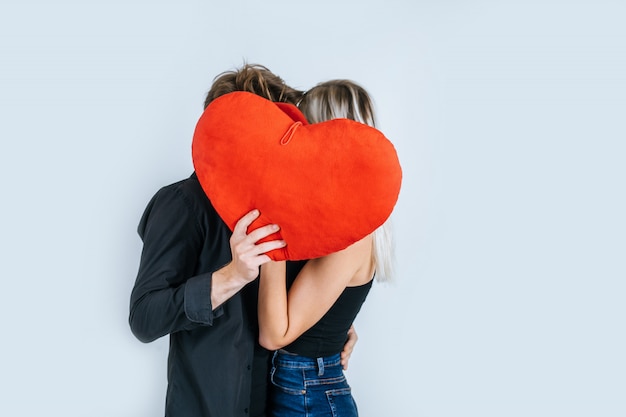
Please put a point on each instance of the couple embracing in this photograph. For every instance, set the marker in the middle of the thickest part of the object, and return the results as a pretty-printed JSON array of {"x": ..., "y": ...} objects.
[{"x": 249, "y": 335}]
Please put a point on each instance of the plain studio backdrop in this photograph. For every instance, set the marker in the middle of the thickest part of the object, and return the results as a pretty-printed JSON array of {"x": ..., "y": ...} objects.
[{"x": 509, "y": 120}]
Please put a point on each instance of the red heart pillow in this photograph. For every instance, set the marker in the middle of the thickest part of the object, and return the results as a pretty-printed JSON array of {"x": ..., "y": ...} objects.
[{"x": 327, "y": 185}]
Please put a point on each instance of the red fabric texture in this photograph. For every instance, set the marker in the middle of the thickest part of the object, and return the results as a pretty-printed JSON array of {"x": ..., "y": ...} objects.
[{"x": 327, "y": 185}]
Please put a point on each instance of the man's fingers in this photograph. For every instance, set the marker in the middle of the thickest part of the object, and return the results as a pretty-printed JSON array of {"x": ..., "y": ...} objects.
[
  {"x": 263, "y": 259},
  {"x": 245, "y": 249},
  {"x": 262, "y": 232},
  {"x": 353, "y": 337},
  {"x": 265, "y": 247},
  {"x": 348, "y": 347},
  {"x": 241, "y": 227}
]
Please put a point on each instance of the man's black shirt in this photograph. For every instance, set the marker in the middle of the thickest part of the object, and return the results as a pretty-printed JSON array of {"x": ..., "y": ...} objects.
[{"x": 215, "y": 367}]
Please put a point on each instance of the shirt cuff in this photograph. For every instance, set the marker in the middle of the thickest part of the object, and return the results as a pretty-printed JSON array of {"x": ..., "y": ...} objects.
[{"x": 198, "y": 307}]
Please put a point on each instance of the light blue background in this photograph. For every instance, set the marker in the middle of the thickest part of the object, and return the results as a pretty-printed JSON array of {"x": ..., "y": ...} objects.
[{"x": 509, "y": 119}]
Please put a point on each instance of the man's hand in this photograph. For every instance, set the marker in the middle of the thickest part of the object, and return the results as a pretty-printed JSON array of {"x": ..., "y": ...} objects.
[
  {"x": 348, "y": 347},
  {"x": 247, "y": 256}
]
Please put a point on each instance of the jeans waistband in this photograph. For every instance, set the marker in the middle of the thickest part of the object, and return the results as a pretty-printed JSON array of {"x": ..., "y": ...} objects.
[{"x": 293, "y": 360}]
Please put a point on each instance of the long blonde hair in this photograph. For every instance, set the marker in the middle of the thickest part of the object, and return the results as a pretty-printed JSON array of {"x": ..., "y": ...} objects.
[{"x": 346, "y": 99}]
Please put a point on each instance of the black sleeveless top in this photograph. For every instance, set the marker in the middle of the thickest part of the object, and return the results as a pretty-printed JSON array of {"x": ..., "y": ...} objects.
[{"x": 329, "y": 334}]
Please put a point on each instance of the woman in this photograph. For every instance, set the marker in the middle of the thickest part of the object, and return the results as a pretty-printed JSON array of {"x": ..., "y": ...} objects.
[{"x": 309, "y": 324}]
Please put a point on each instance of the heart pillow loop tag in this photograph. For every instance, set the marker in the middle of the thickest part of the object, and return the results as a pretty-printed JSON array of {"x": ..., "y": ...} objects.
[
  {"x": 289, "y": 133},
  {"x": 327, "y": 185}
]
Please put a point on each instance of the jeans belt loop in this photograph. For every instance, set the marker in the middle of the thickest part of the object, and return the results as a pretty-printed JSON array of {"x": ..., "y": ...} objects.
[{"x": 320, "y": 366}]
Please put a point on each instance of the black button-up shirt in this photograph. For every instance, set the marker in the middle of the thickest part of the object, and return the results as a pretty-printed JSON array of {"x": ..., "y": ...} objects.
[{"x": 215, "y": 367}]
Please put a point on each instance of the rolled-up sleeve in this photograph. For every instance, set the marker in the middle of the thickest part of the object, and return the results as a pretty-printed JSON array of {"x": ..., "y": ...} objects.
[{"x": 197, "y": 292}]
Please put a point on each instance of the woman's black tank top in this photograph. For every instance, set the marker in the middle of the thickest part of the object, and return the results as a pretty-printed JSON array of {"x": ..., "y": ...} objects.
[{"x": 329, "y": 334}]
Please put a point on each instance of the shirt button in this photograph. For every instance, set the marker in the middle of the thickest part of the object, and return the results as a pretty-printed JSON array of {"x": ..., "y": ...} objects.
[
  {"x": 245, "y": 410},
  {"x": 249, "y": 367}
]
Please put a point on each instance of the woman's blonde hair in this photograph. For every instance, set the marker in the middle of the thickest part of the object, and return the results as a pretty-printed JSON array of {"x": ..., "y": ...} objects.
[{"x": 346, "y": 99}]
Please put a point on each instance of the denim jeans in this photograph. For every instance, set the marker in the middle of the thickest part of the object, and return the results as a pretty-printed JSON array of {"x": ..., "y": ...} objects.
[{"x": 309, "y": 387}]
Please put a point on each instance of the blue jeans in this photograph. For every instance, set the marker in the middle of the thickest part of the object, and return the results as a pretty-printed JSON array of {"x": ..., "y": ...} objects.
[{"x": 309, "y": 387}]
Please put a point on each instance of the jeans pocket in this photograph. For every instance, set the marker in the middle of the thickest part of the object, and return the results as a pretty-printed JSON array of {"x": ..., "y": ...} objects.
[
  {"x": 341, "y": 403},
  {"x": 287, "y": 381}
]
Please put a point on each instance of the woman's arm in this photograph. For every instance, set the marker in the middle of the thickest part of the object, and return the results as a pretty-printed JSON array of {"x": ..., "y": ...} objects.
[{"x": 284, "y": 317}]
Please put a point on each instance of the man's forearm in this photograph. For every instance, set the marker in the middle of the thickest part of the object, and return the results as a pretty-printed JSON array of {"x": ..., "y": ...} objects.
[{"x": 224, "y": 284}]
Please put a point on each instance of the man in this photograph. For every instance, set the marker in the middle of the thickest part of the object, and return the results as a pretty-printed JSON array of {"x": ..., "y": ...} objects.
[{"x": 197, "y": 283}]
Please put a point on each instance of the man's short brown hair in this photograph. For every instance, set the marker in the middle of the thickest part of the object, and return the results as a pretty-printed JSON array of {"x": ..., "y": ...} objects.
[{"x": 256, "y": 79}]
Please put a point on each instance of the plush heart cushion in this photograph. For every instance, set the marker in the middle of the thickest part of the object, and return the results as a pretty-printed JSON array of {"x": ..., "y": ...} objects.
[{"x": 327, "y": 185}]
